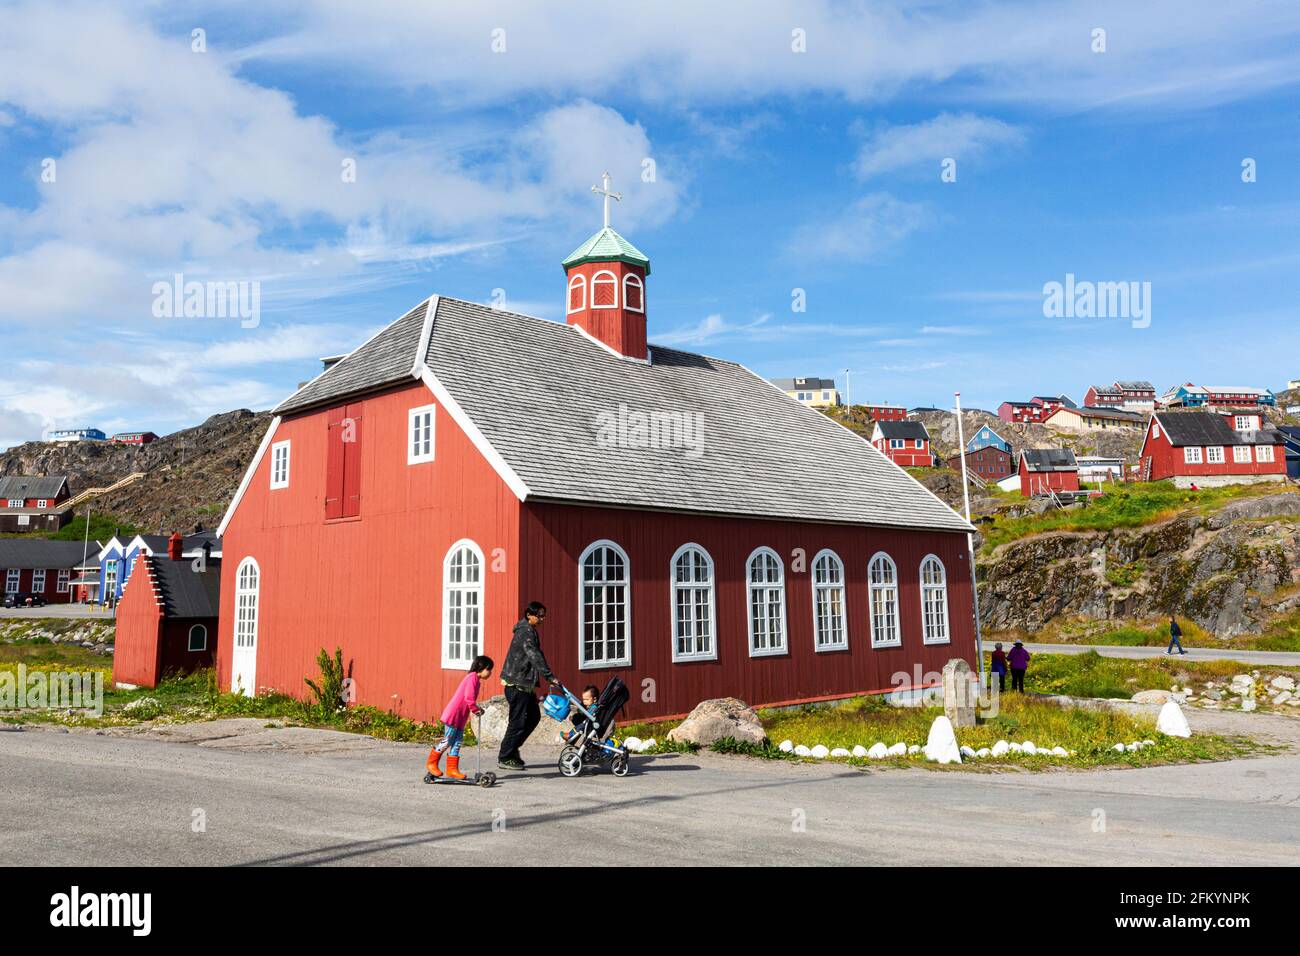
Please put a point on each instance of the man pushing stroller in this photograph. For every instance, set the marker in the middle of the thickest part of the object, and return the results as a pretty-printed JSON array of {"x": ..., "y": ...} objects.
[{"x": 524, "y": 665}]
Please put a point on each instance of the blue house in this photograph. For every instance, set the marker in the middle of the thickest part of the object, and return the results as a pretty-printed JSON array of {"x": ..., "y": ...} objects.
[
  {"x": 988, "y": 438},
  {"x": 118, "y": 558},
  {"x": 77, "y": 434}
]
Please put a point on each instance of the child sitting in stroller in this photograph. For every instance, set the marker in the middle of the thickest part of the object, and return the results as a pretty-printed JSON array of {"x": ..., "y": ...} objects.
[{"x": 591, "y": 740}]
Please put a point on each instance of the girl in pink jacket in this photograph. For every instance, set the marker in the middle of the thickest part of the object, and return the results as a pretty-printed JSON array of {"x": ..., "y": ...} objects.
[{"x": 454, "y": 717}]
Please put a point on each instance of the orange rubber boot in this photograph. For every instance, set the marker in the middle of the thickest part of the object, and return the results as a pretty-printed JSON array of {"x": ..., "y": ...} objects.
[
  {"x": 453, "y": 768},
  {"x": 431, "y": 765}
]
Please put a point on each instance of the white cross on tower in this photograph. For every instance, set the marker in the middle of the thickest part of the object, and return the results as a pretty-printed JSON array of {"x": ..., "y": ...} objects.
[{"x": 607, "y": 194}]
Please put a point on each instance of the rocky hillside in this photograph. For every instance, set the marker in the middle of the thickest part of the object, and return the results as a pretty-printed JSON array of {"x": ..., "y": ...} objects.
[
  {"x": 191, "y": 474},
  {"x": 1229, "y": 571}
]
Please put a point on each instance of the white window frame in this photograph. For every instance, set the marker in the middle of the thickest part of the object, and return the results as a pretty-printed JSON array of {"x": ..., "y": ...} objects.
[
  {"x": 64, "y": 581},
  {"x": 474, "y": 589},
  {"x": 280, "y": 457},
  {"x": 189, "y": 638},
  {"x": 1241, "y": 454},
  {"x": 13, "y": 577},
  {"x": 892, "y": 589},
  {"x": 253, "y": 605},
  {"x": 942, "y": 590},
  {"x": 633, "y": 279},
  {"x": 750, "y": 587},
  {"x": 626, "y": 659},
  {"x": 16, "y": 502},
  {"x": 38, "y": 582},
  {"x": 42, "y": 502},
  {"x": 896, "y": 443},
  {"x": 596, "y": 280},
  {"x": 110, "y": 579},
  {"x": 711, "y": 587},
  {"x": 920, "y": 442},
  {"x": 842, "y": 587},
  {"x": 1214, "y": 454},
  {"x": 423, "y": 448},
  {"x": 1264, "y": 453},
  {"x": 1192, "y": 455},
  {"x": 1244, "y": 423},
  {"x": 576, "y": 281}
]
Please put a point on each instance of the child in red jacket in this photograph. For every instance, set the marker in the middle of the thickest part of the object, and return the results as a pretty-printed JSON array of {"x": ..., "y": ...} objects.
[{"x": 454, "y": 717}]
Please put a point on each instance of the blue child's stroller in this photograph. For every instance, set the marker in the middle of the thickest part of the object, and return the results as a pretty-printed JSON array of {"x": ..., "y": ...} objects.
[{"x": 590, "y": 742}]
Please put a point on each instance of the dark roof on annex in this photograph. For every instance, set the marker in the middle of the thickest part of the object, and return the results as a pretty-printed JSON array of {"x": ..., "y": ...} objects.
[{"x": 1210, "y": 428}]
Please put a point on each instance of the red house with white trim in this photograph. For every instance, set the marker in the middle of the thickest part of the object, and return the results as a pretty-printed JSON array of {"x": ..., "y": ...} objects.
[
  {"x": 167, "y": 617},
  {"x": 1035, "y": 411},
  {"x": 906, "y": 443},
  {"x": 1047, "y": 470},
  {"x": 886, "y": 413},
  {"x": 690, "y": 527},
  {"x": 1197, "y": 446}
]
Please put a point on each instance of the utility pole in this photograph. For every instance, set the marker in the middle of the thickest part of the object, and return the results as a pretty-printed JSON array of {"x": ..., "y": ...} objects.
[
  {"x": 85, "y": 546},
  {"x": 970, "y": 538},
  {"x": 848, "y": 387}
]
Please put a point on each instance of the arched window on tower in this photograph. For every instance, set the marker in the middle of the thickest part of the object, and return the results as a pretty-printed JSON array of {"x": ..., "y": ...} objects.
[
  {"x": 633, "y": 293},
  {"x": 577, "y": 293},
  {"x": 604, "y": 290}
]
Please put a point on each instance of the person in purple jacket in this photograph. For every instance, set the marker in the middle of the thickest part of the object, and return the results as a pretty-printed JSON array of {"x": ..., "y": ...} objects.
[{"x": 1019, "y": 661}]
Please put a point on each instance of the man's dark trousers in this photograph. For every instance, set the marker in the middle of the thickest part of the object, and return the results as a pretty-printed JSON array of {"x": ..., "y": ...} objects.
[
  {"x": 525, "y": 715},
  {"x": 1017, "y": 680}
]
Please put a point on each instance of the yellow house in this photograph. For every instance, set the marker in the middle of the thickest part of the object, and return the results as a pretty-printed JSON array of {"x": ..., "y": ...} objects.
[{"x": 816, "y": 392}]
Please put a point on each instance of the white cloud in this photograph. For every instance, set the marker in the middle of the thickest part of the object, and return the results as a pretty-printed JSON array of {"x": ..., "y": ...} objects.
[
  {"x": 870, "y": 227},
  {"x": 961, "y": 137}
]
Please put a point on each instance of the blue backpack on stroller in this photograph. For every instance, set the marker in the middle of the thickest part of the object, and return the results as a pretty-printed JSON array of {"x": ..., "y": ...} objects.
[{"x": 590, "y": 741}]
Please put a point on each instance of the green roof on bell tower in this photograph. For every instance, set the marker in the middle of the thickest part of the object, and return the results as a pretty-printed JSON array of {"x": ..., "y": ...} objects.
[{"x": 607, "y": 246}]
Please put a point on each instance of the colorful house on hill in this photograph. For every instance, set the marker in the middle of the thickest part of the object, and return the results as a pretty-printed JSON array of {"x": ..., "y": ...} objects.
[
  {"x": 118, "y": 558},
  {"x": 167, "y": 619},
  {"x": 1210, "y": 448},
  {"x": 885, "y": 413},
  {"x": 1090, "y": 419},
  {"x": 906, "y": 444},
  {"x": 1188, "y": 395},
  {"x": 1047, "y": 470},
  {"x": 988, "y": 463},
  {"x": 33, "y": 503},
  {"x": 986, "y": 437},
  {"x": 1133, "y": 395},
  {"x": 817, "y": 392},
  {"x": 408, "y": 502},
  {"x": 133, "y": 438},
  {"x": 1035, "y": 411}
]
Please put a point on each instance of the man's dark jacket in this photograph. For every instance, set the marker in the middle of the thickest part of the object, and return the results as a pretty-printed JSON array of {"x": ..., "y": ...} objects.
[{"x": 525, "y": 661}]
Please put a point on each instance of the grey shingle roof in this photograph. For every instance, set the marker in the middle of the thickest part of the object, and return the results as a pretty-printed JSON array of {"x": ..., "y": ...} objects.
[
  {"x": 562, "y": 411},
  {"x": 1050, "y": 459},
  {"x": 41, "y": 553},
  {"x": 186, "y": 592},
  {"x": 1210, "y": 428},
  {"x": 790, "y": 384},
  {"x": 31, "y": 486},
  {"x": 385, "y": 359},
  {"x": 1136, "y": 386}
]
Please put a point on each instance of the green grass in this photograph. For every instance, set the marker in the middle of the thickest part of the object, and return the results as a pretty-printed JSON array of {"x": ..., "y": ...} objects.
[
  {"x": 868, "y": 720},
  {"x": 1125, "y": 506},
  {"x": 102, "y": 527}
]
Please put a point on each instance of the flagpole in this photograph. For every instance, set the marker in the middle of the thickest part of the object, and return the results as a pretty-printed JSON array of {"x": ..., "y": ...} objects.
[{"x": 970, "y": 539}]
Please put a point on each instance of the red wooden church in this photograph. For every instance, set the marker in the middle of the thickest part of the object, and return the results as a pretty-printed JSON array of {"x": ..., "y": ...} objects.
[{"x": 690, "y": 527}]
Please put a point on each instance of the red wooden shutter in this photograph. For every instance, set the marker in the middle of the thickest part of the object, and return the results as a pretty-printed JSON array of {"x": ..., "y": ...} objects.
[
  {"x": 334, "y": 454},
  {"x": 352, "y": 463}
]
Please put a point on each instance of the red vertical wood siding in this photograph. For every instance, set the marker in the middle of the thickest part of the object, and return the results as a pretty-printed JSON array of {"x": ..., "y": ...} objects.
[
  {"x": 1167, "y": 461},
  {"x": 554, "y": 537},
  {"x": 136, "y": 658},
  {"x": 371, "y": 585}
]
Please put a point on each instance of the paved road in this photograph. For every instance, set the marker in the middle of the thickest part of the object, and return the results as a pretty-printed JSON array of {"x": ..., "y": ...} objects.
[
  {"x": 1272, "y": 658},
  {"x": 296, "y": 796},
  {"x": 59, "y": 611}
]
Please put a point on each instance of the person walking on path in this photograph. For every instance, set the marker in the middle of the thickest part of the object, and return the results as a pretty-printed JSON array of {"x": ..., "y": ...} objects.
[
  {"x": 1019, "y": 661},
  {"x": 524, "y": 664},
  {"x": 1000, "y": 666},
  {"x": 1175, "y": 636}
]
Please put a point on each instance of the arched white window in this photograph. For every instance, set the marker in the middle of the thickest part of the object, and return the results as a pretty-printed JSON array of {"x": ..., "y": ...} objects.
[
  {"x": 882, "y": 576},
  {"x": 577, "y": 293},
  {"x": 462, "y": 604},
  {"x": 604, "y": 290},
  {"x": 693, "y": 605},
  {"x": 934, "y": 601},
  {"x": 633, "y": 293},
  {"x": 830, "y": 630},
  {"x": 198, "y": 638},
  {"x": 243, "y": 662},
  {"x": 766, "y": 576},
  {"x": 605, "y": 597}
]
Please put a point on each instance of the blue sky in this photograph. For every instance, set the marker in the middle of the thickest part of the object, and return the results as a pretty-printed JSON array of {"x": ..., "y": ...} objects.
[{"x": 775, "y": 170}]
